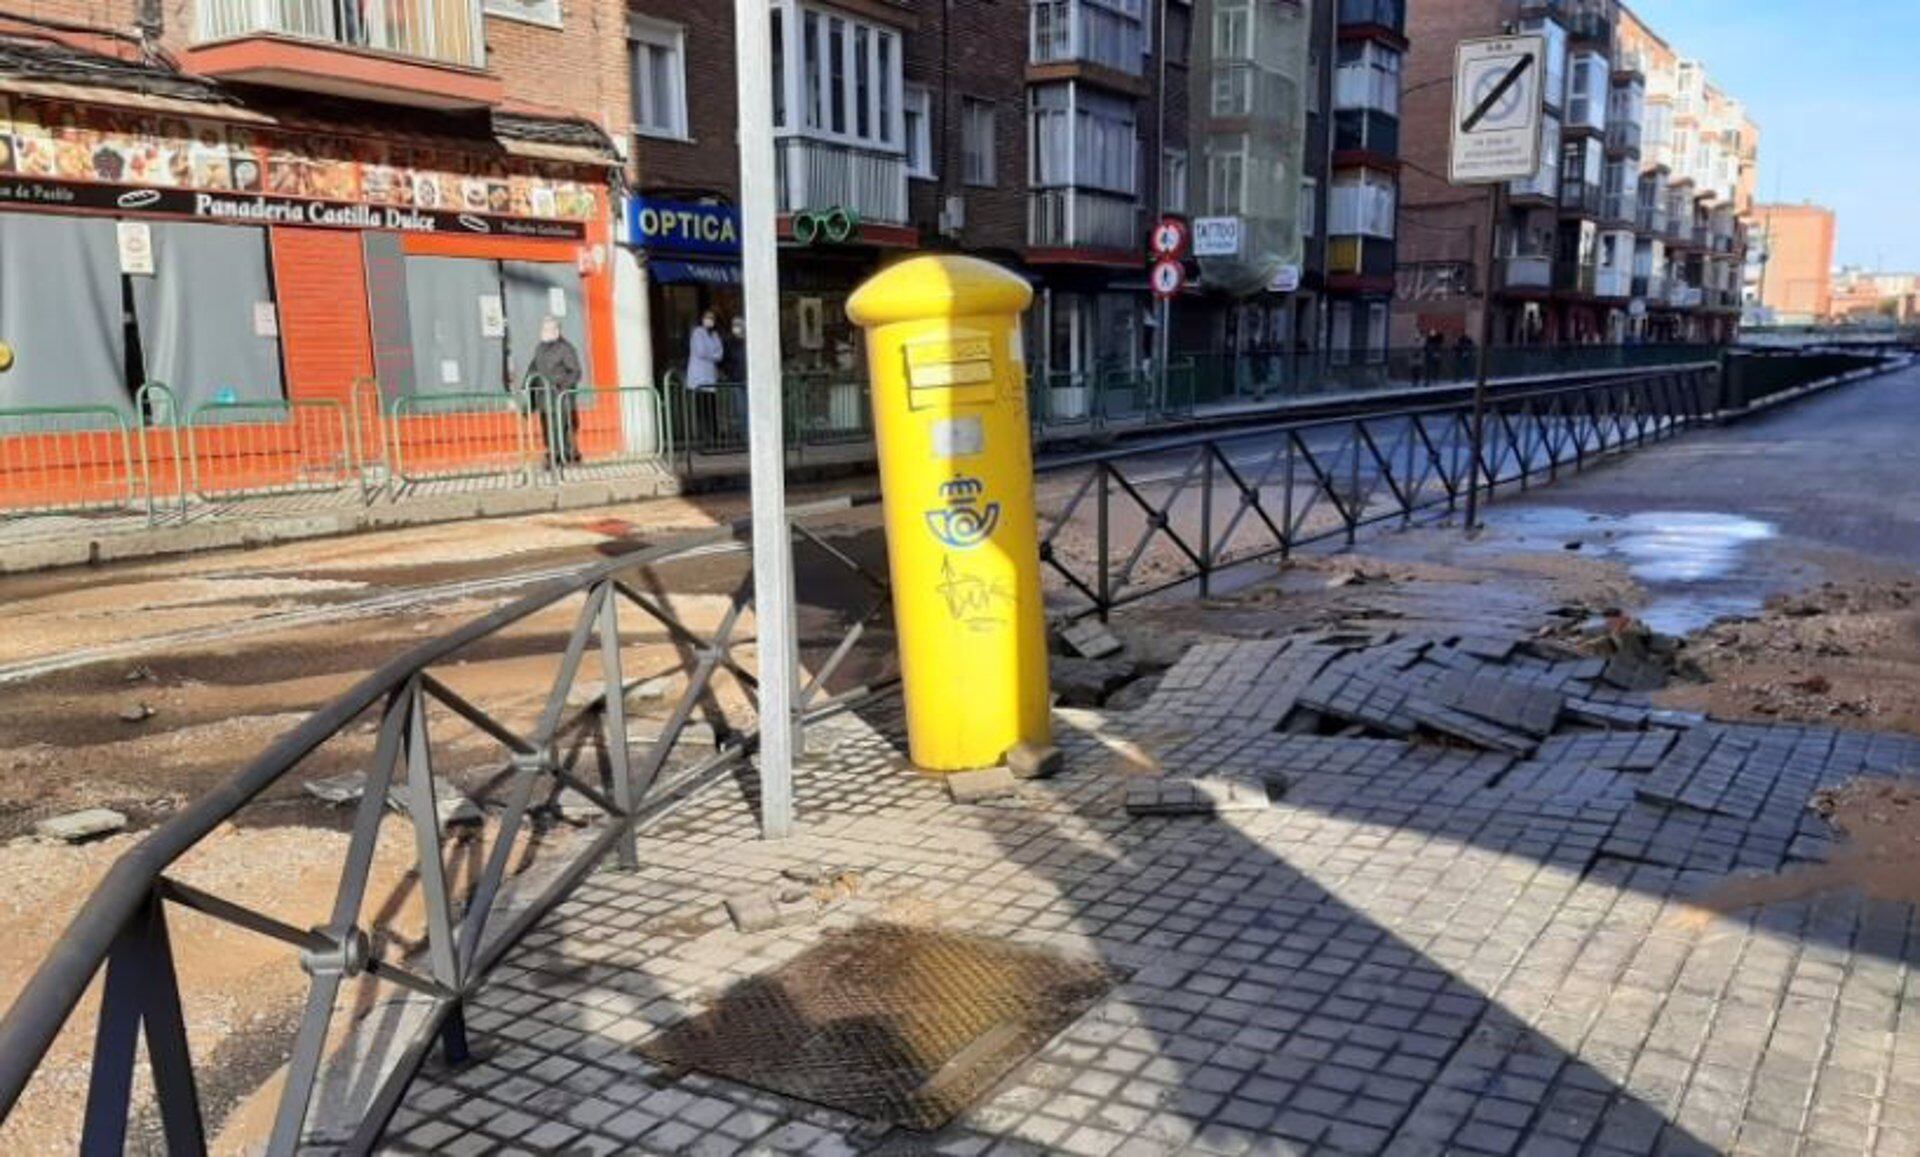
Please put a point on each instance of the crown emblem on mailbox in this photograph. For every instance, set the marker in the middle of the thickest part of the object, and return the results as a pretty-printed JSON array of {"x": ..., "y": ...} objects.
[{"x": 963, "y": 522}]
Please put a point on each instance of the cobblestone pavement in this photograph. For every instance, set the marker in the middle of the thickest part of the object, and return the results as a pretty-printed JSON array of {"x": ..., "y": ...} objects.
[{"x": 1477, "y": 939}]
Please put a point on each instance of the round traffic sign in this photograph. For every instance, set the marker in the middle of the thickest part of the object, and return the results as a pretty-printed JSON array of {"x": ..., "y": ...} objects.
[
  {"x": 1170, "y": 238},
  {"x": 1168, "y": 277}
]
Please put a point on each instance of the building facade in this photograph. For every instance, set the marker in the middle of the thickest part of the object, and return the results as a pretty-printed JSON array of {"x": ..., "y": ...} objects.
[
  {"x": 1795, "y": 284},
  {"x": 1631, "y": 230},
  {"x": 281, "y": 204}
]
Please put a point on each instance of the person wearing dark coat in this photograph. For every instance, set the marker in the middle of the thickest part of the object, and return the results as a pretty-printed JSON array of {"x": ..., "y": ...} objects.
[{"x": 551, "y": 378}]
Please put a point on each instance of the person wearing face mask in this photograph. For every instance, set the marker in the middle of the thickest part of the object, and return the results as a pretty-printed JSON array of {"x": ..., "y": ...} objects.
[
  {"x": 705, "y": 352},
  {"x": 551, "y": 377}
]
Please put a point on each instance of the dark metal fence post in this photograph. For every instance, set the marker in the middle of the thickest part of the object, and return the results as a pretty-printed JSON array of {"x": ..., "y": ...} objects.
[
  {"x": 1206, "y": 520},
  {"x": 424, "y": 810},
  {"x": 614, "y": 718},
  {"x": 142, "y": 991},
  {"x": 1103, "y": 594}
]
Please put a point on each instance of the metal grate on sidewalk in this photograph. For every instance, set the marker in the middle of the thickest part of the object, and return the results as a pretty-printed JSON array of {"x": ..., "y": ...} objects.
[{"x": 900, "y": 1025}]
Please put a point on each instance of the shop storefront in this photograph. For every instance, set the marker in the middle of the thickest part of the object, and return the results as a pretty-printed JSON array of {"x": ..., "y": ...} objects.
[
  {"x": 690, "y": 254},
  {"x": 240, "y": 257}
]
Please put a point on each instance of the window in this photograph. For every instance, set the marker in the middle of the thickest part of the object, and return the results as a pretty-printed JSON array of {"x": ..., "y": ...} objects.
[
  {"x": 1587, "y": 98},
  {"x": 1232, "y": 38},
  {"x": 1173, "y": 181},
  {"x": 977, "y": 127},
  {"x": 1309, "y": 207},
  {"x": 1363, "y": 203},
  {"x": 845, "y": 76},
  {"x": 1179, "y": 33},
  {"x": 919, "y": 133},
  {"x": 1340, "y": 339},
  {"x": 659, "y": 78},
  {"x": 1226, "y": 180},
  {"x": 1368, "y": 78},
  {"x": 532, "y": 11},
  {"x": 1376, "y": 330}
]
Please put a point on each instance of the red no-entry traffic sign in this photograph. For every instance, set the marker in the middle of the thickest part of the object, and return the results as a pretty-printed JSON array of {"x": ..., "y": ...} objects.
[
  {"x": 1168, "y": 278},
  {"x": 1170, "y": 238}
]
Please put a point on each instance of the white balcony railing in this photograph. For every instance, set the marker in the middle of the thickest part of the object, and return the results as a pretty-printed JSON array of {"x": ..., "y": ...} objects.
[
  {"x": 1074, "y": 30},
  {"x": 816, "y": 175},
  {"x": 442, "y": 31},
  {"x": 1613, "y": 283},
  {"x": 1077, "y": 219}
]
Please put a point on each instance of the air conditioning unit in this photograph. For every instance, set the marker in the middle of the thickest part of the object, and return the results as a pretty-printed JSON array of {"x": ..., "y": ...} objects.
[{"x": 953, "y": 216}]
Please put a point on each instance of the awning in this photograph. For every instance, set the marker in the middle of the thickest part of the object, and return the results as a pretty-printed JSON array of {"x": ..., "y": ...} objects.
[{"x": 670, "y": 272}]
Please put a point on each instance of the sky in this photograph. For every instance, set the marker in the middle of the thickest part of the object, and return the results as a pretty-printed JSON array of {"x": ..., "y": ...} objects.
[{"x": 1835, "y": 88}]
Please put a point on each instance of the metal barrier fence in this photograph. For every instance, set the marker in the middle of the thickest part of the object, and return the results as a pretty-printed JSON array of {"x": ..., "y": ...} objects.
[
  {"x": 1182, "y": 512},
  {"x": 1130, "y": 525},
  {"x": 587, "y": 427},
  {"x": 284, "y": 446},
  {"x": 56, "y": 459},
  {"x": 466, "y": 434},
  {"x": 577, "y": 741}
]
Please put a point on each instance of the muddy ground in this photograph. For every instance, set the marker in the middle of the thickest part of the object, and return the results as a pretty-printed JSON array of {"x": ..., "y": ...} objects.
[{"x": 200, "y": 663}]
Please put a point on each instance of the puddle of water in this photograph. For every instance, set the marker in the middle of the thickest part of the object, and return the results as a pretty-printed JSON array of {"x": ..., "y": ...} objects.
[{"x": 1690, "y": 562}]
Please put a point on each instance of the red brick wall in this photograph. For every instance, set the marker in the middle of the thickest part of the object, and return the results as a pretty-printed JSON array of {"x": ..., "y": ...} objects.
[
  {"x": 986, "y": 60},
  {"x": 323, "y": 311},
  {"x": 709, "y": 162}
]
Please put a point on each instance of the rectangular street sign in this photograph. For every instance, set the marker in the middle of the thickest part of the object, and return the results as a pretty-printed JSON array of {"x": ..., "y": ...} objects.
[
  {"x": 1498, "y": 90},
  {"x": 1216, "y": 237}
]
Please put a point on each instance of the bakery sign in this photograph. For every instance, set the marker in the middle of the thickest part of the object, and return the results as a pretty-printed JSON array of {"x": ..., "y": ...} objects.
[
  {"x": 86, "y": 157},
  {"x": 260, "y": 209}
]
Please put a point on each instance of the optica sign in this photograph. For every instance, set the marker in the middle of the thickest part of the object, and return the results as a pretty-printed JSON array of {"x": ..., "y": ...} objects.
[{"x": 683, "y": 227}]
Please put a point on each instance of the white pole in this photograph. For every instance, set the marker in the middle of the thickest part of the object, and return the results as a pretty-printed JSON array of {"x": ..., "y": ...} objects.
[{"x": 766, "y": 446}]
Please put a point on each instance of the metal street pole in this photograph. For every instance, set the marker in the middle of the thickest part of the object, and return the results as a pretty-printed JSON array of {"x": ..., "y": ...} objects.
[
  {"x": 1478, "y": 442},
  {"x": 766, "y": 444}
]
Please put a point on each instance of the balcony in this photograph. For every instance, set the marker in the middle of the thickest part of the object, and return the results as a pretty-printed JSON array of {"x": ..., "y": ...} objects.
[
  {"x": 1612, "y": 283},
  {"x": 422, "y": 53},
  {"x": 1526, "y": 272},
  {"x": 818, "y": 175},
  {"x": 1580, "y": 197},
  {"x": 1623, "y": 136},
  {"x": 1619, "y": 208},
  {"x": 1575, "y": 277},
  {"x": 1651, "y": 219},
  {"x": 1078, "y": 32},
  {"x": 1079, "y": 219},
  {"x": 1390, "y": 14},
  {"x": 1649, "y": 287}
]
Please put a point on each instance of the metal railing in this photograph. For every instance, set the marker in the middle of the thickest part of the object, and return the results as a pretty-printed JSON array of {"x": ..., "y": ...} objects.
[
  {"x": 588, "y": 427},
  {"x": 282, "y": 446},
  {"x": 56, "y": 459},
  {"x": 469, "y": 434},
  {"x": 1069, "y": 30},
  {"x": 578, "y": 742},
  {"x": 443, "y": 31},
  {"x": 816, "y": 175},
  {"x": 1181, "y": 514},
  {"x": 1077, "y": 218}
]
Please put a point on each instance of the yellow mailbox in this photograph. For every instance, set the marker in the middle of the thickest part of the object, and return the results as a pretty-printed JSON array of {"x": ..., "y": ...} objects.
[{"x": 956, "y": 469}]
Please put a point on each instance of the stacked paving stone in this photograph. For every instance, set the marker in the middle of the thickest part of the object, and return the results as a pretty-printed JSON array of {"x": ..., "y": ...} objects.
[{"x": 1564, "y": 736}]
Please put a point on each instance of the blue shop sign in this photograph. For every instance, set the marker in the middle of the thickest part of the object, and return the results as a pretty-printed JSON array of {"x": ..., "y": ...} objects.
[{"x": 684, "y": 228}]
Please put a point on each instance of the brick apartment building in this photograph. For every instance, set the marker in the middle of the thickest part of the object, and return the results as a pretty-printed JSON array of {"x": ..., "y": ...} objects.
[
  {"x": 1795, "y": 284},
  {"x": 257, "y": 200},
  {"x": 1047, "y": 136},
  {"x": 1632, "y": 230}
]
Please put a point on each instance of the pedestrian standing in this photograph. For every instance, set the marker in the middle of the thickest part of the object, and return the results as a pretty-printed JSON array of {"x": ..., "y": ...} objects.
[
  {"x": 551, "y": 378},
  {"x": 1463, "y": 351}
]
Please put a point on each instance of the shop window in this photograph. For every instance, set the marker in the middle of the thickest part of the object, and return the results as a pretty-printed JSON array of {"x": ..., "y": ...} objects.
[
  {"x": 60, "y": 310},
  {"x": 475, "y": 323},
  {"x": 919, "y": 133},
  {"x": 207, "y": 319},
  {"x": 977, "y": 127},
  {"x": 659, "y": 77}
]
